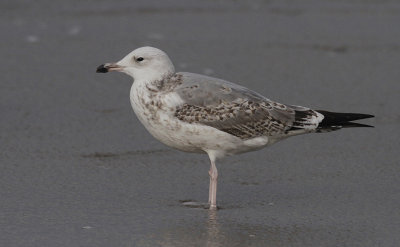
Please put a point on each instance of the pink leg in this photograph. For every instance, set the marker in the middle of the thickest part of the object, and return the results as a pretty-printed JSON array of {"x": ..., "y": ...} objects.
[{"x": 212, "y": 194}]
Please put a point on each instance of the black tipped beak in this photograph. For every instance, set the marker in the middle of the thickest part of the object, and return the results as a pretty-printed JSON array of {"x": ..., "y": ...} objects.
[
  {"x": 102, "y": 69},
  {"x": 107, "y": 67}
]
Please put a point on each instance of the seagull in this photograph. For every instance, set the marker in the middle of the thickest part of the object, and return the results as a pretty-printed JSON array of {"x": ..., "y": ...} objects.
[{"x": 202, "y": 114}]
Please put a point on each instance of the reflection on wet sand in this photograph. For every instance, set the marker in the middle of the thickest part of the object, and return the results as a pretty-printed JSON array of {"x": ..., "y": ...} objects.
[
  {"x": 214, "y": 237},
  {"x": 212, "y": 228}
]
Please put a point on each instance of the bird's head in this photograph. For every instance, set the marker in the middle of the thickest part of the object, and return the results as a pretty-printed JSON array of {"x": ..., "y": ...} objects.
[{"x": 145, "y": 63}]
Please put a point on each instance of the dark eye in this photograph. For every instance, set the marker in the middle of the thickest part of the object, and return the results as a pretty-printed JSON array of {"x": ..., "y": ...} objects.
[{"x": 139, "y": 59}]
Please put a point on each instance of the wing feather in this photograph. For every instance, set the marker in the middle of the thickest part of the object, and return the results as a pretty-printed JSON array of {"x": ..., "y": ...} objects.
[{"x": 231, "y": 108}]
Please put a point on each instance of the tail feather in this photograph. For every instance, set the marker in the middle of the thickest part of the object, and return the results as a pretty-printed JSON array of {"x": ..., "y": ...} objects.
[{"x": 336, "y": 120}]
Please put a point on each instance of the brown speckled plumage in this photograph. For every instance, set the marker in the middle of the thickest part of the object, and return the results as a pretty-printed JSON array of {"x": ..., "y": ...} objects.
[
  {"x": 167, "y": 84},
  {"x": 244, "y": 119}
]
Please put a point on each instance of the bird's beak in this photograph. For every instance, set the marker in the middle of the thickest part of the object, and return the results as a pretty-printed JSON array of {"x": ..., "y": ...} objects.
[{"x": 107, "y": 67}]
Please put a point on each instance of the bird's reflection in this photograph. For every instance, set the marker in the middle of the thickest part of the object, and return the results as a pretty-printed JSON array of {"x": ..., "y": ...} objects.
[{"x": 213, "y": 230}]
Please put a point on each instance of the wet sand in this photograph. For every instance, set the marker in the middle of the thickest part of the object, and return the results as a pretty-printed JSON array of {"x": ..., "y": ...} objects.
[{"x": 78, "y": 169}]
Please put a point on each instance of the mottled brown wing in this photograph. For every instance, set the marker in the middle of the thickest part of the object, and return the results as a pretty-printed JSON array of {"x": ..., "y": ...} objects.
[{"x": 230, "y": 108}]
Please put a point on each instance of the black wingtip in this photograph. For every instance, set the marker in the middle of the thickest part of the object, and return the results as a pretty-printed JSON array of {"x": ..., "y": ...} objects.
[
  {"x": 342, "y": 120},
  {"x": 338, "y": 117},
  {"x": 101, "y": 69},
  {"x": 351, "y": 125},
  {"x": 366, "y": 116}
]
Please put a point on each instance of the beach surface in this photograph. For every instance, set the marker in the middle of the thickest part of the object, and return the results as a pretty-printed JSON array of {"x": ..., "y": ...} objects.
[{"x": 78, "y": 169}]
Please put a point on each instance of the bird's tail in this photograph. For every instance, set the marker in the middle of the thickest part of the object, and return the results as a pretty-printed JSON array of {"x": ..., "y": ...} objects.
[{"x": 335, "y": 120}]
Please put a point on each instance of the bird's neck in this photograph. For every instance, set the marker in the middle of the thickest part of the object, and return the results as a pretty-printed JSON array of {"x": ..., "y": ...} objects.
[{"x": 153, "y": 74}]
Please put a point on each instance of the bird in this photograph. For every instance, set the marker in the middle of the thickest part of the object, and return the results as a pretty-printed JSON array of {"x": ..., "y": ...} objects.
[{"x": 201, "y": 114}]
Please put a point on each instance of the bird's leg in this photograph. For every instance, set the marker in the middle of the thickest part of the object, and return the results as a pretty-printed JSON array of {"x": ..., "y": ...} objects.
[{"x": 212, "y": 194}]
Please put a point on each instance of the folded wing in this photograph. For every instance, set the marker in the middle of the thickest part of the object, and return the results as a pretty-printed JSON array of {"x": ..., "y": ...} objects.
[{"x": 237, "y": 110}]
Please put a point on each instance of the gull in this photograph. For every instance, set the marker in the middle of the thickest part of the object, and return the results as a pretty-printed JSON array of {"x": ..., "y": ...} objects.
[{"x": 202, "y": 114}]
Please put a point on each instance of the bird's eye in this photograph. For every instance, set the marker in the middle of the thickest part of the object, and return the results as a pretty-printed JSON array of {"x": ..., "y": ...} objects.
[{"x": 139, "y": 59}]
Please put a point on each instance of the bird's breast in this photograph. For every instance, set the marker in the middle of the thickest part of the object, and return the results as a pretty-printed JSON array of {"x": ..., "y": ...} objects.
[{"x": 155, "y": 110}]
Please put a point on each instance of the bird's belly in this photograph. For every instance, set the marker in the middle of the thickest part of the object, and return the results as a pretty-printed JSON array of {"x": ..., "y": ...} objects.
[
  {"x": 197, "y": 138},
  {"x": 188, "y": 137},
  {"x": 173, "y": 134}
]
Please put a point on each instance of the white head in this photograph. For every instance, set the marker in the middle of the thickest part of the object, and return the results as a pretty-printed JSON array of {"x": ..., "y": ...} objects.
[{"x": 145, "y": 63}]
